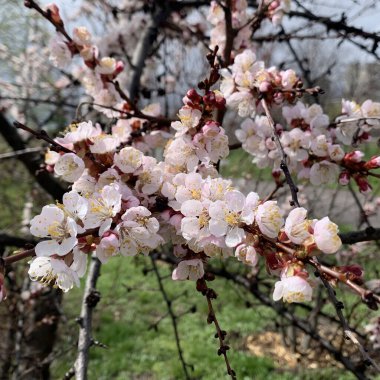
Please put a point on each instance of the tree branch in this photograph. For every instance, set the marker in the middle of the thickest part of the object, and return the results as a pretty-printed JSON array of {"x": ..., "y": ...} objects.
[{"x": 90, "y": 299}]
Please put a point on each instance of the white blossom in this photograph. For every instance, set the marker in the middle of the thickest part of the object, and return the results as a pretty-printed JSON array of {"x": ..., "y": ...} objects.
[
  {"x": 70, "y": 167},
  {"x": 292, "y": 289},
  {"x": 188, "y": 270},
  {"x": 326, "y": 236}
]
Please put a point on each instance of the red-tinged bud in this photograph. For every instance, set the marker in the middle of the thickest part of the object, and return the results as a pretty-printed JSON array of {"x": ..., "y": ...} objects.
[
  {"x": 355, "y": 156},
  {"x": 373, "y": 163},
  {"x": 193, "y": 95},
  {"x": 119, "y": 67},
  {"x": 272, "y": 262},
  {"x": 220, "y": 103},
  {"x": 344, "y": 178},
  {"x": 365, "y": 136},
  {"x": 273, "y": 5},
  {"x": 209, "y": 98},
  {"x": 353, "y": 271},
  {"x": 53, "y": 11},
  {"x": 363, "y": 184}
]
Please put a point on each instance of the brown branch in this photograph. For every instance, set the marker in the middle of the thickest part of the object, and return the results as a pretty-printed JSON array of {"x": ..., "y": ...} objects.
[
  {"x": 31, "y": 162},
  {"x": 369, "y": 234},
  {"x": 90, "y": 299},
  {"x": 42, "y": 135}
]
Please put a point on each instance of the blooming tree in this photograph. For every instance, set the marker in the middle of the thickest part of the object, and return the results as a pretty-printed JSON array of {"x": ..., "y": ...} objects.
[{"x": 144, "y": 184}]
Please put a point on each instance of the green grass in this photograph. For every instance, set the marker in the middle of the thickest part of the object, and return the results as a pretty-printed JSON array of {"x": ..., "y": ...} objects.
[{"x": 123, "y": 318}]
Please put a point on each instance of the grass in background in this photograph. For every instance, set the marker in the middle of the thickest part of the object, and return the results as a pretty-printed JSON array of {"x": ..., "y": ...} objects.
[{"x": 129, "y": 306}]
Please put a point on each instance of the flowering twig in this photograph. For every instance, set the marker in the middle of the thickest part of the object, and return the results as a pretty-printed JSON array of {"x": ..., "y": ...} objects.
[{"x": 42, "y": 135}]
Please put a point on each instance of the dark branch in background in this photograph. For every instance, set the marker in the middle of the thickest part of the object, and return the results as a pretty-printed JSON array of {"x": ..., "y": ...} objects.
[
  {"x": 7, "y": 240},
  {"x": 173, "y": 318},
  {"x": 341, "y": 27},
  {"x": 31, "y": 162},
  {"x": 369, "y": 234},
  {"x": 144, "y": 46},
  {"x": 90, "y": 299}
]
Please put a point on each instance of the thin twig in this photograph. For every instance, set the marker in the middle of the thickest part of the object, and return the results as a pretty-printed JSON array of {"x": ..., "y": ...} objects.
[
  {"x": 211, "y": 318},
  {"x": 338, "y": 308},
  {"x": 173, "y": 318}
]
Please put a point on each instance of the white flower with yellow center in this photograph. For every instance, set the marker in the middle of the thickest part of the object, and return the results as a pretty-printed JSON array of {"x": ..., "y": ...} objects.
[
  {"x": 326, "y": 235},
  {"x": 323, "y": 172},
  {"x": 49, "y": 271},
  {"x": 69, "y": 167},
  {"x": 82, "y": 36},
  {"x": 138, "y": 233},
  {"x": 190, "y": 188},
  {"x": 195, "y": 224},
  {"x": 226, "y": 218},
  {"x": 269, "y": 218},
  {"x": 292, "y": 289},
  {"x": 150, "y": 176},
  {"x": 102, "y": 144},
  {"x": 297, "y": 226},
  {"x": 188, "y": 270},
  {"x": 128, "y": 159},
  {"x": 103, "y": 206},
  {"x": 53, "y": 224},
  {"x": 108, "y": 247},
  {"x": 107, "y": 65}
]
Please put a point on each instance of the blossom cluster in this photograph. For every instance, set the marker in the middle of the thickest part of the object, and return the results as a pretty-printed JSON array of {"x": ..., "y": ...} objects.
[
  {"x": 247, "y": 80},
  {"x": 315, "y": 147},
  {"x": 126, "y": 202}
]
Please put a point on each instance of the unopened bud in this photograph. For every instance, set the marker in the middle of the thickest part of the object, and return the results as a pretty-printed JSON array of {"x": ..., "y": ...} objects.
[
  {"x": 373, "y": 163},
  {"x": 53, "y": 12},
  {"x": 344, "y": 178},
  {"x": 363, "y": 184},
  {"x": 355, "y": 156}
]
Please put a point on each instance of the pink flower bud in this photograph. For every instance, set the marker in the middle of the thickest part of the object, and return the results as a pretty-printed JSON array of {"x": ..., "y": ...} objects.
[
  {"x": 363, "y": 184},
  {"x": 373, "y": 163},
  {"x": 355, "y": 156},
  {"x": 119, "y": 67},
  {"x": 344, "y": 178},
  {"x": 193, "y": 95},
  {"x": 53, "y": 11}
]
